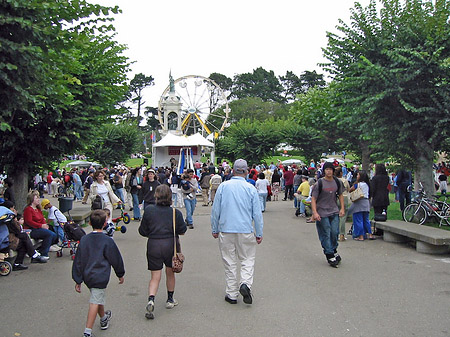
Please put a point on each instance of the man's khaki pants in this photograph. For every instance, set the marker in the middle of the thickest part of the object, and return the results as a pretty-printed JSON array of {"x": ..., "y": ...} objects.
[{"x": 237, "y": 248}]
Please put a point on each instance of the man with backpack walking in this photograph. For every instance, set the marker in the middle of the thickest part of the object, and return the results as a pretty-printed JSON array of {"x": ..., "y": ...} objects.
[{"x": 326, "y": 212}]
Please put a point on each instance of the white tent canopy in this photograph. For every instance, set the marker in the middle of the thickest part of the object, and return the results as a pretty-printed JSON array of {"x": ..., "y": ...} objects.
[
  {"x": 331, "y": 160},
  {"x": 292, "y": 161},
  {"x": 83, "y": 163},
  {"x": 174, "y": 140}
]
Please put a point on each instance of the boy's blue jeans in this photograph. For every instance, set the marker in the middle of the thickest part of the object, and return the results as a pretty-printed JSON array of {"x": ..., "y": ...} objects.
[
  {"x": 328, "y": 230},
  {"x": 59, "y": 232}
]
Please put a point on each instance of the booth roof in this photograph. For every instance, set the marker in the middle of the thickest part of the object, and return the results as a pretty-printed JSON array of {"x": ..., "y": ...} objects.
[{"x": 174, "y": 140}]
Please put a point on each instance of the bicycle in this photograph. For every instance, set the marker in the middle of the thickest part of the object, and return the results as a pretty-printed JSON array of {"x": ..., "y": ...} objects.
[{"x": 424, "y": 207}]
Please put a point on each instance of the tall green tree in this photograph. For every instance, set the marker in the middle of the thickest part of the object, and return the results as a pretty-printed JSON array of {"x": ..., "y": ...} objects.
[
  {"x": 224, "y": 82},
  {"x": 114, "y": 143},
  {"x": 292, "y": 86},
  {"x": 393, "y": 66},
  {"x": 260, "y": 83},
  {"x": 311, "y": 79},
  {"x": 136, "y": 87},
  {"x": 250, "y": 140},
  {"x": 61, "y": 75}
]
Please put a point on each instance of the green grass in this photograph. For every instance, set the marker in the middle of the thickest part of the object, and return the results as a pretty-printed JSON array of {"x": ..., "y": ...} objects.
[{"x": 132, "y": 162}]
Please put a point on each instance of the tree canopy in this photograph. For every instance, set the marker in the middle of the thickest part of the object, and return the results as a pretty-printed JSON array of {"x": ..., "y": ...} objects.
[
  {"x": 62, "y": 76},
  {"x": 393, "y": 71}
]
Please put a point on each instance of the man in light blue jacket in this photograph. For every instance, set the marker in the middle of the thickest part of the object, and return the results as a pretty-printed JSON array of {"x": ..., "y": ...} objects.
[{"x": 236, "y": 219}]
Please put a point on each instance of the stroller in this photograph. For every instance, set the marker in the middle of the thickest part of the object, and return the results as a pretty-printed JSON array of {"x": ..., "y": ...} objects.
[
  {"x": 72, "y": 230},
  {"x": 5, "y": 266}
]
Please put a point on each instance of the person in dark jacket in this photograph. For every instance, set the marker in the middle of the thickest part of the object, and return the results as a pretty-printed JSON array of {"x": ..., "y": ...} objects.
[
  {"x": 149, "y": 187},
  {"x": 379, "y": 189},
  {"x": 403, "y": 182},
  {"x": 95, "y": 255},
  {"x": 135, "y": 184},
  {"x": 157, "y": 225}
]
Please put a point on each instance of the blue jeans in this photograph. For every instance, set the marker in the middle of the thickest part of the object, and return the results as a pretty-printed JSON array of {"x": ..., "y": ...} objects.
[
  {"x": 136, "y": 210},
  {"x": 119, "y": 193},
  {"x": 361, "y": 224},
  {"x": 328, "y": 230},
  {"x": 59, "y": 233},
  {"x": 296, "y": 203},
  {"x": 78, "y": 191},
  {"x": 190, "y": 207},
  {"x": 47, "y": 236},
  {"x": 262, "y": 199},
  {"x": 302, "y": 207}
]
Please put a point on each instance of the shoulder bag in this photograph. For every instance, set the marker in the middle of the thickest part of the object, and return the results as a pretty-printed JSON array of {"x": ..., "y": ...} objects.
[
  {"x": 178, "y": 258},
  {"x": 356, "y": 194}
]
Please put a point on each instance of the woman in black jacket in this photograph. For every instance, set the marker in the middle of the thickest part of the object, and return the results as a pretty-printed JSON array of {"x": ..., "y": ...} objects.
[
  {"x": 157, "y": 225},
  {"x": 379, "y": 189}
]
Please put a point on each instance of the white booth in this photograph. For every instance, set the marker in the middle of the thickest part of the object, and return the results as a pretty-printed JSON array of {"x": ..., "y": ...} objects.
[{"x": 184, "y": 149}]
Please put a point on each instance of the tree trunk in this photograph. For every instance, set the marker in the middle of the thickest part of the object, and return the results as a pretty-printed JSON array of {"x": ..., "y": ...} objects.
[
  {"x": 423, "y": 169},
  {"x": 365, "y": 155},
  {"x": 20, "y": 187}
]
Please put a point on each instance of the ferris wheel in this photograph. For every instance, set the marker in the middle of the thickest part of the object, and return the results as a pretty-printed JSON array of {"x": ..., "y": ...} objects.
[{"x": 204, "y": 105}]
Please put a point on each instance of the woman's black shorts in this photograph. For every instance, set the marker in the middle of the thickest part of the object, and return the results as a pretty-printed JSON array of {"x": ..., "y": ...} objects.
[{"x": 159, "y": 252}]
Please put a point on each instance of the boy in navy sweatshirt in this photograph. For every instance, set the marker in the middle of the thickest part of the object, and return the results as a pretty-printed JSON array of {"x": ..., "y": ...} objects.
[{"x": 95, "y": 255}]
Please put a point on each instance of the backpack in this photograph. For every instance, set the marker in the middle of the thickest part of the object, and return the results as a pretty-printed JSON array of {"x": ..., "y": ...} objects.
[
  {"x": 339, "y": 184},
  {"x": 73, "y": 231},
  {"x": 97, "y": 203}
]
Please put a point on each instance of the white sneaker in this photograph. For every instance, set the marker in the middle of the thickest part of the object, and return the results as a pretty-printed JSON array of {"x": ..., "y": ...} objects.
[
  {"x": 54, "y": 248},
  {"x": 44, "y": 257},
  {"x": 171, "y": 304},
  {"x": 150, "y": 307}
]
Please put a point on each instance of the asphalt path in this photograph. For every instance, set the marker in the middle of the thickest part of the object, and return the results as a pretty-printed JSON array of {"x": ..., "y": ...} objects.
[{"x": 380, "y": 289}]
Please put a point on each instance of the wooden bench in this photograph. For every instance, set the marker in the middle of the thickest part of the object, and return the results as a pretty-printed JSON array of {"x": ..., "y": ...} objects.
[{"x": 429, "y": 240}]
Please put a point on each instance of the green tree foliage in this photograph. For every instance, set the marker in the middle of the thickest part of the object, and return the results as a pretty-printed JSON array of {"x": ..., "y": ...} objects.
[
  {"x": 114, "y": 143},
  {"x": 260, "y": 83},
  {"x": 325, "y": 114},
  {"x": 224, "y": 82},
  {"x": 250, "y": 140},
  {"x": 61, "y": 76},
  {"x": 308, "y": 140},
  {"x": 393, "y": 68},
  {"x": 136, "y": 86},
  {"x": 292, "y": 86},
  {"x": 311, "y": 79}
]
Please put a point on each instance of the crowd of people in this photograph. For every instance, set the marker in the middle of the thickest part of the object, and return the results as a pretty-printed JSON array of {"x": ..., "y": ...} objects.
[{"x": 325, "y": 193}]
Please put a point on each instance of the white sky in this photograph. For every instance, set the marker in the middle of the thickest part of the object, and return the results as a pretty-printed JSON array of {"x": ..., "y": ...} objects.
[{"x": 198, "y": 37}]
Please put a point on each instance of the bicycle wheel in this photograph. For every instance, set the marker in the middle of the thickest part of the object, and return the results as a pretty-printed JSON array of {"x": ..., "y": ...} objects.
[{"x": 415, "y": 213}]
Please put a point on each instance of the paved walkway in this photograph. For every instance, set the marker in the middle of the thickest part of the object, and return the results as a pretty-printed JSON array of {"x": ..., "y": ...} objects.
[{"x": 380, "y": 289}]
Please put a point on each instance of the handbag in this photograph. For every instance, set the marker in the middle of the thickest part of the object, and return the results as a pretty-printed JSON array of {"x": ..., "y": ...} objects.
[
  {"x": 97, "y": 203},
  {"x": 356, "y": 194},
  {"x": 177, "y": 258}
]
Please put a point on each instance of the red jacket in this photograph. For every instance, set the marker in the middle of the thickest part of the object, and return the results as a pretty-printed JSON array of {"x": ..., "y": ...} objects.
[
  {"x": 288, "y": 177},
  {"x": 33, "y": 218}
]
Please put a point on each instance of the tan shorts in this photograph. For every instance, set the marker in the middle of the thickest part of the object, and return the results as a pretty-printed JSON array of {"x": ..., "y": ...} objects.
[{"x": 97, "y": 296}]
